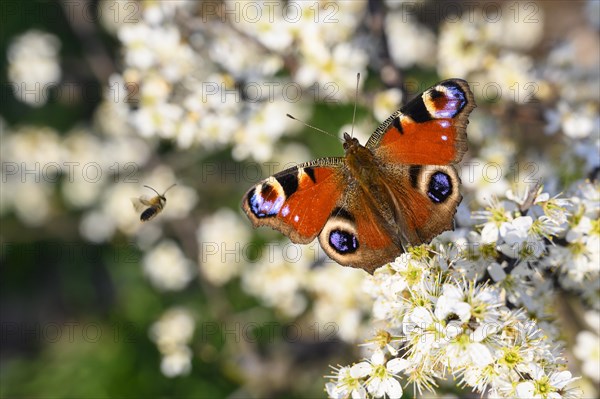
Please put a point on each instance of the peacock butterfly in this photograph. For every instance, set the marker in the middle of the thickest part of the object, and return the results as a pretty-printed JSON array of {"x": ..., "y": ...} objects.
[{"x": 400, "y": 189}]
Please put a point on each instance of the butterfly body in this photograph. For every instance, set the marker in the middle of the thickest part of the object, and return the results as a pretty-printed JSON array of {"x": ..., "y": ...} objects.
[{"x": 401, "y": 188}]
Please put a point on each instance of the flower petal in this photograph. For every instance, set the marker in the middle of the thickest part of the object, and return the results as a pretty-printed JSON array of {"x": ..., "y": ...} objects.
[
  {"x": 359, "y": 393},
  {"x": 396, "y": 365},
  {"x": 392, "y": 388},
  {"x": 377, "y": 357},
  {"x": 525, "y": 390},
  {"x": 360, "y": 370}
]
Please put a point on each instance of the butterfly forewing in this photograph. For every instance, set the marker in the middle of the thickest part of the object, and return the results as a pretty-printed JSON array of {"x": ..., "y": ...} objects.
[
  {"x": 297, "y": 201},
  {"x": 429, "y": 130}
]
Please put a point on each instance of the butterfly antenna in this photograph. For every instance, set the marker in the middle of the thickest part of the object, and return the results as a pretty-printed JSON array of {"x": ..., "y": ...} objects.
[
  {"x": 312, "y": 127},
  {"x": 355, "y": 101},
  {"x": 152, "y": 189},
  {"x": 170, "y": 187}
]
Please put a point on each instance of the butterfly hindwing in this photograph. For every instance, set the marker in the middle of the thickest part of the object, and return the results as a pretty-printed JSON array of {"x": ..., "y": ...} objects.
[
  {"x": 422, "y": 202},
  {"x": 425, "y": 199},
  {"x": 356, "y": 236},
  {"x": 429, "y": 130}
]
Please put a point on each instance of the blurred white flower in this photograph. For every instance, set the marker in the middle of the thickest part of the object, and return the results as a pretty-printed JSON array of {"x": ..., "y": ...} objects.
[
  {"x": 574, "y": 123},
  {"x": 582, "y": 123},
  {"x": 166, "y": 10},
  {"x": 330, "y": 23},
  {"x": 167, "y": 267},
  {"x": 242, "y": 58},
  {"x": 255, "y": 139},
  {"x": 270, "y": 27},
  {"x": 486, "y": 179},
  {"x": 519, "y": 26},
  {"x": 332, "y": 69},
  {"x": 174, "y": 328},
  {"x": 386, "y": 102},
  {"x": 222, "y": 238},
  {"x": 587, "y": 350},
  {"x": 160, "y": 47},
  {"x": 135, "y": 39},
  {"x": 115, "y": 206},
  {"x": 344, "y": 303},
  {"x": 172, "y": 333},
  {"x": 81, "y": 188},
  {"x": 115, "y": 13},
  {"x": 161, "y": 119},
  {"x": 177, "y": 362},
  {"x": 36, "y": 147},
  {"x": 31, "y": 202},
  {"x": 34, "y": 66},
  {"x": 511, "y": 75},
  {"x": 409, "y": 42},
  {"x": 460, "y": 49},
  {"x": 96, "y": 227},
  {"x": 112, "y": 115},
  {"x": 278, "y": 278}
]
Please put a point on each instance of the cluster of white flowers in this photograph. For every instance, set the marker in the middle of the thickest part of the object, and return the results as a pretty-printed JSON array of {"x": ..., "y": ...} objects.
[
  {"x": 97, "y": 175},
  {"x": 284, "y": 276},
  {"x": 172, "y": 333},
  {"x": 577, "y": 258},
  {"x": 279, "y": 277},
  {"x": 167, "y": 267},
  {"x": 289, "y": 277},
  {"x": 217, "y": 87},
  {"x": 34, "y": 66},
  {"x": 572, "y": 67},
  {"x": 220, "y": 238},
  {"x": 491, "y": 50},
  {"x": 410, "y": 43},
  {"x": 476, "y": 304},
  {"x": 37, "y": 159},
  {"x": 587, "y": 348}
]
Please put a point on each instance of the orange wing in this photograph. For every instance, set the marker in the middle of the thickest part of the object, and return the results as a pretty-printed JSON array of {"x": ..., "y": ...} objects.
[
  {"x": 297, "y": 201},
  {"x": 429, "y": 130}
]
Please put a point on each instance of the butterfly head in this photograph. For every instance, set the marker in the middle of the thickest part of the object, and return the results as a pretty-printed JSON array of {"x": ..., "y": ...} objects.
[{"x": 350, "y": 142}]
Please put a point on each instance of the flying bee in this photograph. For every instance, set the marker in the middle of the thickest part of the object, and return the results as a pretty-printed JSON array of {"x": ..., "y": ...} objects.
[{"x": 150, "y": 207}]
